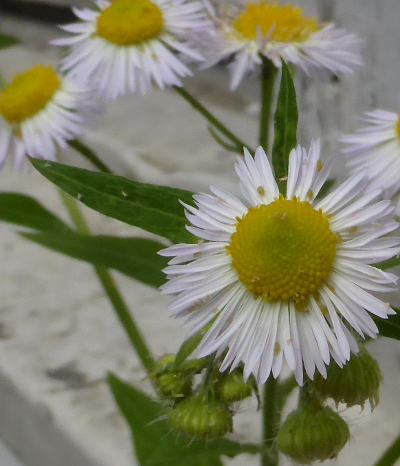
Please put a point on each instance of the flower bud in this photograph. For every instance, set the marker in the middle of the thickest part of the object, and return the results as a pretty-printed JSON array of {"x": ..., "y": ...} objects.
[
  {"x": 174, "y": 384},
  {"x": 312, "y": 433},
  {"x": 355, "y": 383},
  {"x": 201, "y": 417},
  {"x": 171, "y": 383},
  {"x": 163, "y": 363},
  {"x": 232, "y": 387}
]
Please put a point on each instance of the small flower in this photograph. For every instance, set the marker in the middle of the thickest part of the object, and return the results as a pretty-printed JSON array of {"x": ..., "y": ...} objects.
[
  {"x": 283, "y": 277},
  {"x": 278, "y": 32},
  {"x": 124, "y": 45},
  {"x": 39, "y": 111},
  {"x": 375, "y": 150}
]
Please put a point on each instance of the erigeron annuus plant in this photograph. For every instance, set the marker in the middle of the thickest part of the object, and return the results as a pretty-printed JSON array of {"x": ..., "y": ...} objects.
[{"x": 285, "y": 275}]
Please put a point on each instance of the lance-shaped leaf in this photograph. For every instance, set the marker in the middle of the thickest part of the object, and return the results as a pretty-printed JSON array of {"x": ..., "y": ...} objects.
[
  {"x": 7, "y": 41},
  {"x": 25, "y": 211},
  {"x": 155, "y": 443},
  {"x": 151, "y": 207},
  {"x": 135, "y": 257},
  {"x": 285, "y": 135},
  {"x": 389, "y": 327}
]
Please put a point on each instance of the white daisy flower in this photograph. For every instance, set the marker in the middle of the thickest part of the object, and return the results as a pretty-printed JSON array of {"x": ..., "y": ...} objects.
[
  {"x": 375, "y": 150},
  {"x": 278, "y": 32},
  {"x": 283, "y": 278},
  {"x": 125, "y": 45},
  {"x": 39, "y": 111}
]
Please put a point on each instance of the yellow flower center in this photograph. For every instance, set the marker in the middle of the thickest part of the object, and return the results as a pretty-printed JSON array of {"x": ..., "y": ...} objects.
[
  {"x": 285, "y": 23},
  {"x": 398, "y": 126},
  {"x": 28, "y": 93},
  {"x": 130, "y": 22},
  {"x": 283, "y": 250}
]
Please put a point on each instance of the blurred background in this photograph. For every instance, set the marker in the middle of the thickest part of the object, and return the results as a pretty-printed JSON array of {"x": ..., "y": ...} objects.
[{"x": 58, "y": 337}]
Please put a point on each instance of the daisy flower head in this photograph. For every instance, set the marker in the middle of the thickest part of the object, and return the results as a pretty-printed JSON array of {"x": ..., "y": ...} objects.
[
  {"x": 40, "y": 109},
  {"x": 267, "y": 28},
  {"x": 124, "y": 45},
  {"x": 283, "y": 277},
  {"x": 375, "y": 150}
]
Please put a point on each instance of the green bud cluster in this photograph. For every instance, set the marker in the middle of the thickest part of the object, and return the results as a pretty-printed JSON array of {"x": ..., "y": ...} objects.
[
  {"x": 312, "y": 433},
  {"x": 354, "y": 384}
]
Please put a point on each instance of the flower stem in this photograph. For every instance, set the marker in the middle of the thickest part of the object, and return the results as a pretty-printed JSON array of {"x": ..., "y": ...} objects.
[
  {"x": 391, "y": 455},
  {"x": 238, "y": 143},
  {"x": 268, "y": 73},
  {"x": 271, "y": 418},
  {"x": 89, "y": 154},
  {"x": 120, "y": 307}
]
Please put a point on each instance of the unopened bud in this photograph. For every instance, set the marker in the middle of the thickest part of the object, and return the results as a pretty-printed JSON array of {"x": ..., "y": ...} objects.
[
  {"x": 202, "y": 418},
  {"x": 354, "y": 383},
  {"x": 312, "y": 433},
  {"x": 171, "y": 383},
  {"x": 232, "y": 387}
]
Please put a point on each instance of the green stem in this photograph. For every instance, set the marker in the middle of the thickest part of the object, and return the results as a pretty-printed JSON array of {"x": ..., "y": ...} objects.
[
  {"x": 268, "y": 73},
  {"x": 212, "y": 119},
  {"x": 391, "y": 455},
  {"x": 285, "y": 389},
  {"x": 121, "y": 309},
  {"x": 271, "y": 417},
  {"x": 89, "y": 154}
]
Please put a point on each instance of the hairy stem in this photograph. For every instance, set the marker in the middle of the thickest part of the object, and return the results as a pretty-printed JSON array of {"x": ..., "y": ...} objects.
[
  {"x": 89, "y": 154},
  {"x": 271, "y": 418},
  {"x": 391, "y": 455},
  {"x": 110, "y": 287},
  {"x": 239, "y": 144},
  {"x": 268, "y": 73}
]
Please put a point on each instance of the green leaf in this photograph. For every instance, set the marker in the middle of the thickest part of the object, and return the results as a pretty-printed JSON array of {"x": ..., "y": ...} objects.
[
  {"x": 285, "y": 135},
  {"x": 189, "y": 345},
  {"x": 389, "y": 327},
  {"x": 25, "y": 211},
  {"x": 7, "y": 41},
  {"x": 135, "y": 257},
  {"x": 151, "y": 207},
  {"x": 156, "y": 444},
  {"x": 389, "y": 264}
]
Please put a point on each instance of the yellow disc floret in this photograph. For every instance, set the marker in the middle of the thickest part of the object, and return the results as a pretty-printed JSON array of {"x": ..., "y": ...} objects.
[
  {"x": 283, "y": 250},
  {"x": 28, "y": 93},
  {"x": 130, "y": 22},
  {"x": 284, "y": 23},
  {"x": 398, "y": 126}
]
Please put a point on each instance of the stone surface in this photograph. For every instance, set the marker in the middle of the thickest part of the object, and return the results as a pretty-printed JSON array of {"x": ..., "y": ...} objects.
[{"x": 58, "y": 336}]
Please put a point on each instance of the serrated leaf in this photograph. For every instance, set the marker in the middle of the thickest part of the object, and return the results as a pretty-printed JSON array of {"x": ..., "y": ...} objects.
[
  {"x": 285, "y": 134},
  {"x": 25, "y": 211},
  {"x": 151, "y": 207},
  {"x": 155, "y": 443},
  {"x": 389, "y": 327},
  {"x": 135, "y": 257},
  {"x": 7, "y": 41}
]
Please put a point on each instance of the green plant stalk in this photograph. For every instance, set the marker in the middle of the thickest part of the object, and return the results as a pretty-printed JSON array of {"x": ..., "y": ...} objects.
[
  {"x": 268, "y": 73},
  {"x": 89, "y": 154},
  {"x": 271, "y": 421},
  {"x": 211, "y": 118},
  {"x": 391, "y": 455},
  {"x": 120, "y": 307},
  {"x": 271, "y": 411}
]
